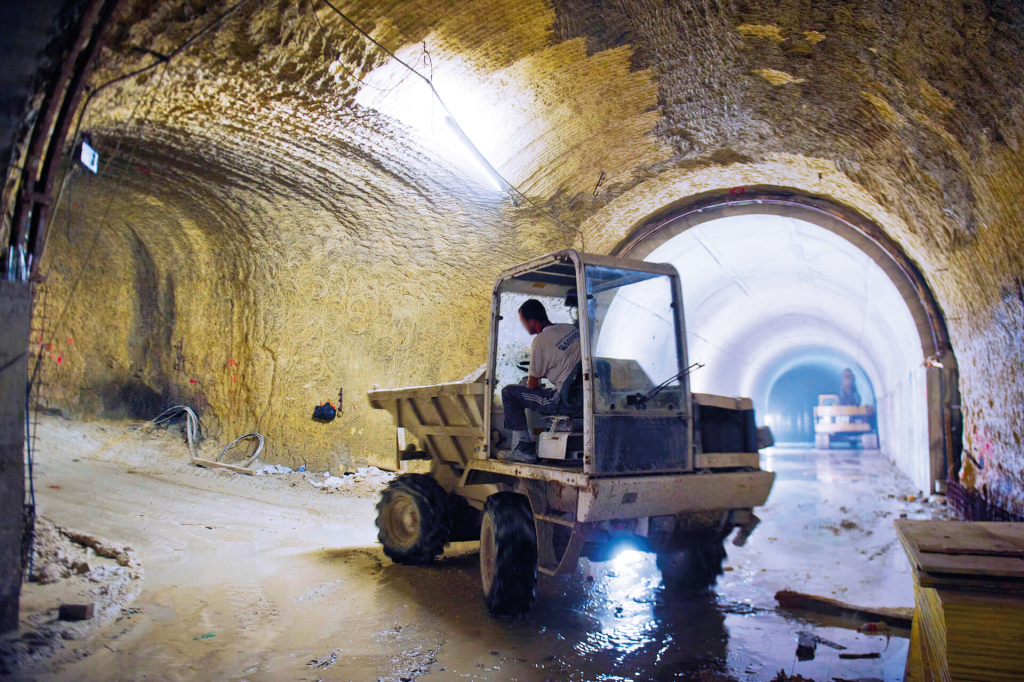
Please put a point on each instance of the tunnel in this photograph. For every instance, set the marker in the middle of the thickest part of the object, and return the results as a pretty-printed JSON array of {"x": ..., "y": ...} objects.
[
  {"x": 232, "y": 230},
  {"x": 773, "y": 284}
]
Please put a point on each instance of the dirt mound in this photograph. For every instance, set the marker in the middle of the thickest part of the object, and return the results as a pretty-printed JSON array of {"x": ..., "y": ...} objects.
[{"x": 68, "y": 567}]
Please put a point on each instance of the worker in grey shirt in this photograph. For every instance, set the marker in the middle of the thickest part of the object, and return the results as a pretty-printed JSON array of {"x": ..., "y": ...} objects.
[{"x": 553, "y": 356}]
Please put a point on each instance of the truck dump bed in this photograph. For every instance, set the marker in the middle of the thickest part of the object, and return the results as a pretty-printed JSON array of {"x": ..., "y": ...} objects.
[{"x": 447, "y": 419}]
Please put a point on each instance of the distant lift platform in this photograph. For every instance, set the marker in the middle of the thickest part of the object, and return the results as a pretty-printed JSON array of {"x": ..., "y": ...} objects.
[{"x": 852, "y": 424}]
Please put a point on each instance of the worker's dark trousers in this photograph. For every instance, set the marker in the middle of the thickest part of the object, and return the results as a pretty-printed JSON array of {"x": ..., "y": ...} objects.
[{"x": 516, "y": 398}]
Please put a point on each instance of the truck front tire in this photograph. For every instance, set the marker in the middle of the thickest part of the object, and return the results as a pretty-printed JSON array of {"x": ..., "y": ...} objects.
[
  {"x": 695, "y": 562},
  {"x": 508, "y": 555},
  {"x": 413, "y": 519}
]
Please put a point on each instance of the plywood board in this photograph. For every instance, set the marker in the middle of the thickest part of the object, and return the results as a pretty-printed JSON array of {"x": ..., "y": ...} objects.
[
  {"x": 959, "y": 537},
  {"x": 965, "y": 538}
]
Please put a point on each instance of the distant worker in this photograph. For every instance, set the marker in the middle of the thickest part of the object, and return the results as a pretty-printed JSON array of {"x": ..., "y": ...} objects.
[
  {"x": 553, "y": 356},
  {"x": 848, "y": 394}
]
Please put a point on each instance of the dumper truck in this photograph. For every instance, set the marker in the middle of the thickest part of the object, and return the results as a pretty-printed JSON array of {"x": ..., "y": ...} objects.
[{"x": 632, "y": 458}]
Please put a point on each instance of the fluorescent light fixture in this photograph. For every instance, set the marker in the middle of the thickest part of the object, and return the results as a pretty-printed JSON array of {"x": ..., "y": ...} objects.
[
  {"x": 89, "y": 157},
  {"x": 475, "y": 156}
]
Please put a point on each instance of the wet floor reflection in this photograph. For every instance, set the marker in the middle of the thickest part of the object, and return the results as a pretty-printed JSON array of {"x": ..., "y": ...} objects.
[
  {"x": 616, "y": 621},
  {"x": 826, "y": 530}
]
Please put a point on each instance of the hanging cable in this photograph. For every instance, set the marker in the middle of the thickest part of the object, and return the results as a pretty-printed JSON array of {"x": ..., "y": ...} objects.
[
  {"x": 344, "y": 68},
  {"x": 515, "y": 191}
]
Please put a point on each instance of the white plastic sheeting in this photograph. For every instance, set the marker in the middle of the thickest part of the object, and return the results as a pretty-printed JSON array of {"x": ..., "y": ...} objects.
[{"x": 763, "y": 293}]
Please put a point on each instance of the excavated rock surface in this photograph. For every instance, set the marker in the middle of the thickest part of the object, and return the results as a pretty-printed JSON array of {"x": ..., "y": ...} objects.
[{"x": 280, "y": 232}]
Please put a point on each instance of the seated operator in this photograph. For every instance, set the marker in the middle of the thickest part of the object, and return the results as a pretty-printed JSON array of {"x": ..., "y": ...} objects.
[
  {"x": 848, "y": 393},
  {"x": 553, "y": 356}
]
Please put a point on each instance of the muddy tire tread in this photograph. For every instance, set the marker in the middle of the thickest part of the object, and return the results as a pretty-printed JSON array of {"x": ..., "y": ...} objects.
[
  {"x": 515, "y": 563},
  {"x": 695, "y": 565},
  {"x": 435, "y": 519}
]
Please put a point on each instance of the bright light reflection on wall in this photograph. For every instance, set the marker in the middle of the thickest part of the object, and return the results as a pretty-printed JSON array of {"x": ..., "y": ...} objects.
[{"x": 394, "y": 91}]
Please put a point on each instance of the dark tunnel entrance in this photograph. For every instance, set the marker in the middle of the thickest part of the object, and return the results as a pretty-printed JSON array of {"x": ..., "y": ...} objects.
[{"x": 792, "y": 397}]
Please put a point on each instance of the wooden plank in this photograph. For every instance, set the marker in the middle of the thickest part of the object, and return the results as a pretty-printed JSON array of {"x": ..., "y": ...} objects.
[
  {"x": 843, "y": 411},
  {"x": 842, "y": 428},
  {"x": 728, "y": 460},
  {"x": 910, "y": 533},
  {"x": 972, "y": 583},
  {"x": 894, "y": 617},
  {"x": 963, "y": 538},
  {"x": 1007, "y": 567},
  {"x": 722, "y": 401}
]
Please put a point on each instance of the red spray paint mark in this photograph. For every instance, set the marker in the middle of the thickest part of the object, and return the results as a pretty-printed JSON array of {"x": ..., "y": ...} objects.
[
  {"x": 144, "y": 171},
  {"x": 71, "y": 341},
  {"x": 192, "y": 381},
  {"x": 738, "y": 190},
  {"x": 60, "y": 359}
]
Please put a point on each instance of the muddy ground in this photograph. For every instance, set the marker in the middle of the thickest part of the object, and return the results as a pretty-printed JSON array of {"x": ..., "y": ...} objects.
[{"x": 268, "y": 578}]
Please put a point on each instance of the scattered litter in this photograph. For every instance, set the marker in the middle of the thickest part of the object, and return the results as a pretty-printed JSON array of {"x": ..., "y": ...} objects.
[
  {"x": 208, "y": 635},
  {"x": 871, "y": 654},
  {"x": 805, "y": 646},
  {"x": 325, "y": 662},
  {"x": 361, "y": 475},
  {"x": 275, "y": 469},
  {"x": 821, "y": 640}
]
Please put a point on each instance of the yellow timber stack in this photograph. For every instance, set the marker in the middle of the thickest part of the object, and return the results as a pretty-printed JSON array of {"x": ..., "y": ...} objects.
[{"x": 969, "y": 591}]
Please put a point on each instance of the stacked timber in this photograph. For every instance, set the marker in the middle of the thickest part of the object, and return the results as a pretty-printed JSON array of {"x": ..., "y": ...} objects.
[{"x": 969, "y": 593}]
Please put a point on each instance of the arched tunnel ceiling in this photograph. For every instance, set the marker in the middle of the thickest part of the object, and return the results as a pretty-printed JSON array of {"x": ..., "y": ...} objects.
[
  {"x": 339, "y": 243},
  {"x": 761, "y": 289}
]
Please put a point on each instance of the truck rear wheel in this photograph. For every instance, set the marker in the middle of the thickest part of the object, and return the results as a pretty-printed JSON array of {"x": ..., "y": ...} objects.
[
  {"x": 695, "y": 562},
  {"x": 413, "y": 519},
  {"x": 508, "y": 555}
]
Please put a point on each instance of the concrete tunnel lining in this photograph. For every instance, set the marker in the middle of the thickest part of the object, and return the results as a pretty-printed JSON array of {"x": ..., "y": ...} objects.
[{"x": 767, "y": 283}]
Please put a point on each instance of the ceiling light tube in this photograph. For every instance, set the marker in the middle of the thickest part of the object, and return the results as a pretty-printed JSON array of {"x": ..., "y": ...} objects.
[{"x": 481, "y": 163}]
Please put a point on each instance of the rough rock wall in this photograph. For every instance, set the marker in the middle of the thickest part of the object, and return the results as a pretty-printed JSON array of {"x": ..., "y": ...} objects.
[
  {"x": 334, "y": 232},
  {"x": 261, "y": 250}
]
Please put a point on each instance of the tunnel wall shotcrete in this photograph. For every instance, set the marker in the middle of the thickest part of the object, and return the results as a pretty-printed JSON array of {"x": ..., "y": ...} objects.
[{"x": 355, "y": 251}]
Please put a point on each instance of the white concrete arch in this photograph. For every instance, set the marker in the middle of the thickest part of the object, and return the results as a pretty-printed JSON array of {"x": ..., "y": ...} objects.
[{"x": 764, "y": 291}]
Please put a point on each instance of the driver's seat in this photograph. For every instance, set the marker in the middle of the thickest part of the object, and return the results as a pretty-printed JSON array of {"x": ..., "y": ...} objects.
[{"x": 572, "y": 393}]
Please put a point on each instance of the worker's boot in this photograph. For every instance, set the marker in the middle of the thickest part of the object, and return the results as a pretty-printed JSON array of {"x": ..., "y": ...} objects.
[{"x": 525, "y": 451}]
